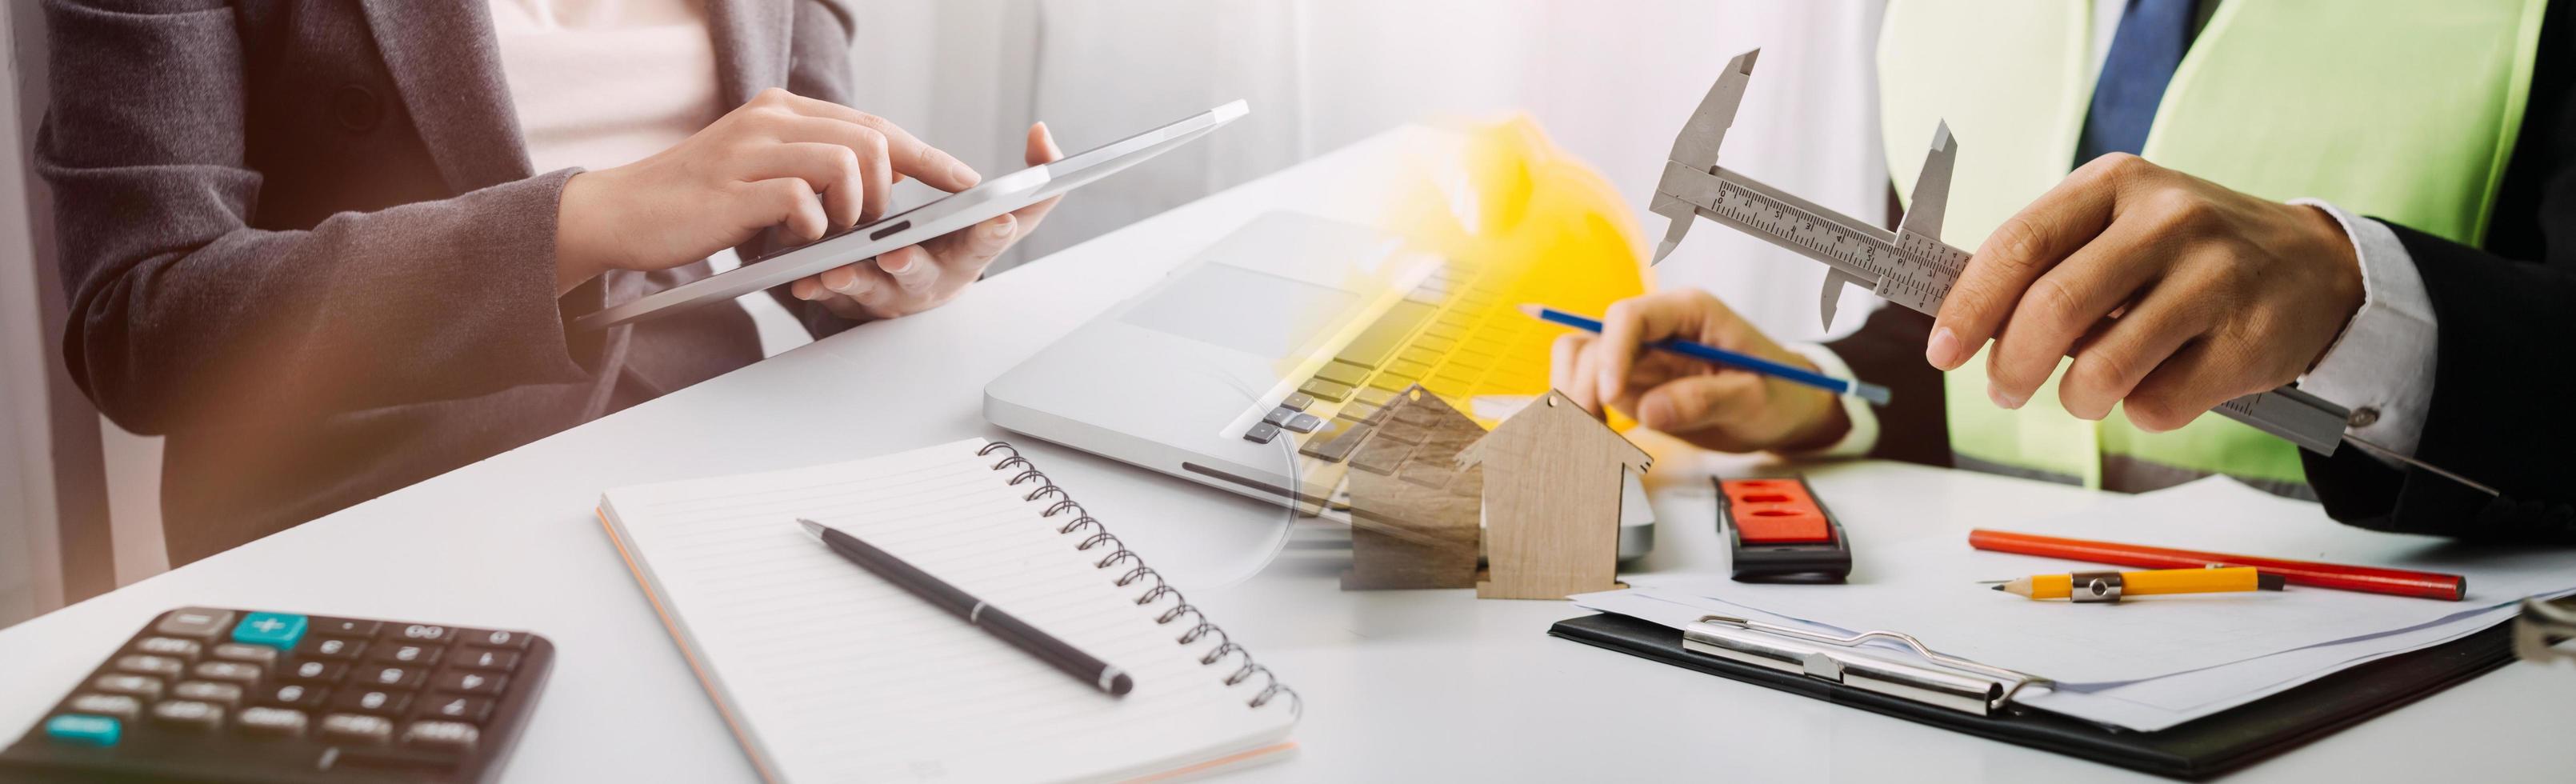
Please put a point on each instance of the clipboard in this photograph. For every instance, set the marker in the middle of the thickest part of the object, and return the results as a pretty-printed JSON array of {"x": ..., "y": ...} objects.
[{"x": 2195, "y": 750}]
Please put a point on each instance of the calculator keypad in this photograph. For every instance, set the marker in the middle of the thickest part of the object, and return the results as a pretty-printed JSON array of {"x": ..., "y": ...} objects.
[
  {"x": 345, "y": 627},
  {"x": 273, "y": 721},
  {"x": 484, "y": 659},
  {"x": 237, "y": 672},
  {"x": 195, "y": 624},
  {"x": 332, "y": 648},
  {"x": 261, "y": 655},
  {"x": 140, "y": 686},
  {"x": 414, "y": 632},
  {"x": 294, "y": 687},
  {"x": 391, "y": 677},
  {"x": 494, "y": 639},
  {"x": 441, "y": 734},
  {"x": 225, "y": 694},
  {"x": 464, "y": 682},
  {"x": 188, "y": 714},
  {"x": 145, "y": 664},
  {"x": 354, "y": 727},
  {"x": 173, "y": 647},
  {"x": 294, "y": 695},
  {"x": 468, "y": 709},
  {"x": 116, "y": 706},
  {"x": 380, "y": 702},
  {"x": 315, "y": 671},
  {"x": 409, "y": 653}
]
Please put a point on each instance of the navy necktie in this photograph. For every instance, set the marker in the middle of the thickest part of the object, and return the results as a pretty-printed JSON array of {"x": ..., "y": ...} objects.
[{"x": 2144, "y": 52}]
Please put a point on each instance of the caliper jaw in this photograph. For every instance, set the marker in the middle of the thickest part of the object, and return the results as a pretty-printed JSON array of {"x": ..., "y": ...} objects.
[
  {"x": 1922, "y": 217},
  {"x": 1696, "y": 148}
]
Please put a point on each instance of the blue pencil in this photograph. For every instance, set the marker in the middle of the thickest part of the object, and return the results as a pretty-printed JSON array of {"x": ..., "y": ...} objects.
[{"x": 1707, "y": 353}]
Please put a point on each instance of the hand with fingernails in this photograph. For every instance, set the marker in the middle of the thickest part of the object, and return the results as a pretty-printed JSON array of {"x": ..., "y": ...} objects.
[
  {"x": 920, "y": 277},
  {"x": 805, "y": 166},
  {"x": 1713, "y": 406},
  {"x": 2172, "y": 293}
]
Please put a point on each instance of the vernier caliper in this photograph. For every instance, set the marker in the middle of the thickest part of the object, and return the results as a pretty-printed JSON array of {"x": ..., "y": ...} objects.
[{"x": 1910, "y": 266}]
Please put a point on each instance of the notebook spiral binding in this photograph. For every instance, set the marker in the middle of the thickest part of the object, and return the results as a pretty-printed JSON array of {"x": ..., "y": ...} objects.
[{"x": 1137, "y": 572}]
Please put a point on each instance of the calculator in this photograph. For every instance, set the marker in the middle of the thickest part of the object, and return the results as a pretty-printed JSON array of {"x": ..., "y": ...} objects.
[{"x": 205, "y": 694}]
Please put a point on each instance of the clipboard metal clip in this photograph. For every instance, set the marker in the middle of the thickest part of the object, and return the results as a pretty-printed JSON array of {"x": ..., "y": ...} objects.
[
  {"x": 2541, "y": 627},
  {"x": 1955, "y": 683}
]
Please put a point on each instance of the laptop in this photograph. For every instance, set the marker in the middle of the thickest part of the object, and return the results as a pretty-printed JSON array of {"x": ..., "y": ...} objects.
[{"x": 1260, "y": 366}]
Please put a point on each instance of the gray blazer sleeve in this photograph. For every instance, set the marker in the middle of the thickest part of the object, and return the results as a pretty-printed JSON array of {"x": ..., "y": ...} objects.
[{"x": 174, "y": 292}]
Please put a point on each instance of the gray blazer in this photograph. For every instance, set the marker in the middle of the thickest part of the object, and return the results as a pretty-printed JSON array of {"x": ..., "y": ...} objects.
[{"x": 302, "y": 240}]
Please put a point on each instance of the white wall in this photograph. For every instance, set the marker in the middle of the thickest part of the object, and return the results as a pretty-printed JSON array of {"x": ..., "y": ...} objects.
[
  {"x": 131, "y": 466},
  {"x": 63, "y": 468},
  {"x": 30, "y": 581}
]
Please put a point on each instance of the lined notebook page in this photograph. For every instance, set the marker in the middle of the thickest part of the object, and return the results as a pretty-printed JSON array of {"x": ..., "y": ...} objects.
[{"x": 831, "y": 674}]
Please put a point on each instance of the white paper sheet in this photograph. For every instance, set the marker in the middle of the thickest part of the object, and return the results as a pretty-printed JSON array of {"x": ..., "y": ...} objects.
[
  {"x": 831, "y": 673},
  {"x": 2147, "y": 705},
  {"x": 2153, "y": 662},
  {"x": 1928, "y": 586}
]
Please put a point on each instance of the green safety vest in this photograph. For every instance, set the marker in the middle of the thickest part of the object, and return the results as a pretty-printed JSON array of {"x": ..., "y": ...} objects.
[{"x": 2400, "y": 109}]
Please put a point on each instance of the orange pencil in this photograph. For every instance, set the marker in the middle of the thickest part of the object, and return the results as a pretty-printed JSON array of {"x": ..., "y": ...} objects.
[{"x": 2110, "y": 586}]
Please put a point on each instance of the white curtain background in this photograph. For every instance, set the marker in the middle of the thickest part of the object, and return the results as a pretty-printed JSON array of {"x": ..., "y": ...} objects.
[{"x": 1611, "y": 82}]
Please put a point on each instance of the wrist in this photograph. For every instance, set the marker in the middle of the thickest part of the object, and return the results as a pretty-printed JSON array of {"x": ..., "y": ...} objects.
[
  {"x": 579, "y": 251},
  {"x": 1823, "y": 426},
  {"x": 570, "y": 275}
]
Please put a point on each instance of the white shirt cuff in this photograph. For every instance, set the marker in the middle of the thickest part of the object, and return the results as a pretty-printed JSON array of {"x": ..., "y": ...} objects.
[
  {"x": 2382, "y": 365},
  {"x": 1864, "y": 422}
]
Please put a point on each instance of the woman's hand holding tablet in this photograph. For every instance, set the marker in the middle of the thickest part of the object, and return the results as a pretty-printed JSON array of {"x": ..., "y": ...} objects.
[
  {"x": 924, "y": 255},
  {"x": 781, "y": 159},
  {"x": 916, "y": 278}
]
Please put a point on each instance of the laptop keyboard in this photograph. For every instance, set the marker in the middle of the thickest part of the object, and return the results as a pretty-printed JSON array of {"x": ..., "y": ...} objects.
[{"x": 1454, "y": 335}]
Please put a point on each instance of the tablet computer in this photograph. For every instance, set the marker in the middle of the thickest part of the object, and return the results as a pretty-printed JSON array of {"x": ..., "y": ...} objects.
[{"x": 959, "y": 210}]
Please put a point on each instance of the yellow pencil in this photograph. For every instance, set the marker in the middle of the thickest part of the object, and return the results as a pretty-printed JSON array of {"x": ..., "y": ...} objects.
[{"x": 2110, "y": 586}]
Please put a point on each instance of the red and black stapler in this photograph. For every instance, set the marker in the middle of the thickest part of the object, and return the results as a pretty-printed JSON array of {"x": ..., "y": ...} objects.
[{"x": 1780, "y": 533}]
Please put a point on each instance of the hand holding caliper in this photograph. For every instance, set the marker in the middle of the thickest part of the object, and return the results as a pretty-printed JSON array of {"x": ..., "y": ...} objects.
[
  {"x": 2175, "y": 296},
  {"x": 2172, "y": 294}
]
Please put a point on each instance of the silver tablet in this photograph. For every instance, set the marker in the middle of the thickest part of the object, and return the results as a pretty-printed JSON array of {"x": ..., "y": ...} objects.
[{"x": 955, "y": 211}]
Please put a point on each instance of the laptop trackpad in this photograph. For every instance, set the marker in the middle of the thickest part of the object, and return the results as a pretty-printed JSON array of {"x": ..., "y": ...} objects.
[{"x": 1256, "y": 312}]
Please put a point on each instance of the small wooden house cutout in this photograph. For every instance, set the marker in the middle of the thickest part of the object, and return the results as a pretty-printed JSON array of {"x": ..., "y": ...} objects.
[
  {"x": 1413, "y": 507},
  {"x": 1552, "y": 489}
]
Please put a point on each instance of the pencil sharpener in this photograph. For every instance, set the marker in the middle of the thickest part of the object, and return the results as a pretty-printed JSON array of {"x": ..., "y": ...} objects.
[{"x": 1780, "y": 533}]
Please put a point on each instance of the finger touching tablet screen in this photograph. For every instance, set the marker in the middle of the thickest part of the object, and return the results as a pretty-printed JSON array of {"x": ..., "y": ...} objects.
[{"x": 955, "y": 211}]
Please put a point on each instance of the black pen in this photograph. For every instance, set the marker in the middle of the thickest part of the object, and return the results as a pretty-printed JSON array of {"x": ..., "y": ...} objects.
[{"x": 1063, "y": 655}]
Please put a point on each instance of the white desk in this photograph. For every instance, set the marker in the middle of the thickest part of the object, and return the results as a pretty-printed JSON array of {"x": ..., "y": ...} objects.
[{"x": 1397, "y": 685}]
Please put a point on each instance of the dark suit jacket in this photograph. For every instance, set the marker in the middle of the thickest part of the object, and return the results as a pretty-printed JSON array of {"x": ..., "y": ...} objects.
[
  {"x": 2505, "y": 370},
  {"x": 302, "y": 240}
]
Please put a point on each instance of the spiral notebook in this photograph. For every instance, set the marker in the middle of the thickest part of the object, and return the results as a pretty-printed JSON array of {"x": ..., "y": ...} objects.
[{"x": 828, "y": 673}]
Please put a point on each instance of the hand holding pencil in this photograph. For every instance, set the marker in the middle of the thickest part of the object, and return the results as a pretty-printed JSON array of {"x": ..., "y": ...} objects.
[{"x": 1627, "y": 367}]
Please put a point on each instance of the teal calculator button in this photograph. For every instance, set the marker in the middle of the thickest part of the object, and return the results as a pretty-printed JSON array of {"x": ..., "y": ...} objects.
[
  {"x": 276, "y": 630},
  {"x": 83, "y": 728}
]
